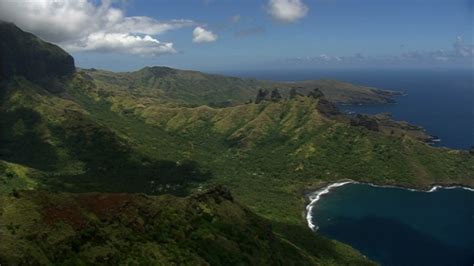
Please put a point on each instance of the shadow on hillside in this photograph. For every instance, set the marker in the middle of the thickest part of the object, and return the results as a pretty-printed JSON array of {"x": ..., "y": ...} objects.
[
  {"x": 24, "y": 140},
  {"x": 160, "y": 177},
  {"x": 313, "y": 243},
  {"x": 112, "y": 166}
]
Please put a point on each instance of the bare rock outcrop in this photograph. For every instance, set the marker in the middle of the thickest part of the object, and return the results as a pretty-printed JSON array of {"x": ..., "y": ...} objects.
[
  {"x": 365, "y": 121},
  {"x": 275, "y": 96},
  {"x": 262, "y": 95}
]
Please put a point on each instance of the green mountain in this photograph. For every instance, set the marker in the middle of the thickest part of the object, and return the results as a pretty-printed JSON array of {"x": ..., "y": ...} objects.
[
  {"x": 163, "y": 84},
  {"x": 208, "y": 228},
  {"x": 24, "y": 54},
  {"x": 69, "y": 143}
]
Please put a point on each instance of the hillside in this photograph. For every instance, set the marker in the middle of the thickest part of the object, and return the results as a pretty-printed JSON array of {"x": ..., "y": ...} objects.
[
  {"x": 205, "y": 228},
  {"x": 23, "y": 54},
  {"x": 68, "y": 142},
  {"x": 163, "y": 84},
  {"x": 54, "y": 142},
  {"x": 269, "y": 153},
  {"x": 79, "y": 154},
  {"x": 66, "y": 152}
]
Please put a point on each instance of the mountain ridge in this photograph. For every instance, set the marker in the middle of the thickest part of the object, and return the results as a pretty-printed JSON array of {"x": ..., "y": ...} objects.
[
  {"x": 24, "y": 54},
  {"x": 206, "y": 228},
  {"x": 99, "y": 136},
  {"x": 198, "y": 88},
  {"x": 51, "y": 212}
]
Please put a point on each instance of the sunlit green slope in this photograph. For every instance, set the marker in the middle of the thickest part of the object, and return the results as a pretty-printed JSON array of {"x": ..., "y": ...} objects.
[
  {"x": 268, "y": 153},
  {"x": 164, "y": 131},
  {"x": 208, "y": 228},
  {"x": 163, "y": 84},
  {"x": 55, "y": 138}
]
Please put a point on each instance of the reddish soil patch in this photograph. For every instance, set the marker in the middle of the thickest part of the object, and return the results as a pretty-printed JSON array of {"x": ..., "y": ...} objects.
[
  {"x": 69, "y": 215},
  {"x": 105, "y": 205}
]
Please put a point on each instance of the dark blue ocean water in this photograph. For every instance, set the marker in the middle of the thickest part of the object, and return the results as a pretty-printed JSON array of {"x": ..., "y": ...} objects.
[
  {"x": 400, "y": 227},
  {"x": 396, "y": 226},
  {"x": 442, "y": 101}
]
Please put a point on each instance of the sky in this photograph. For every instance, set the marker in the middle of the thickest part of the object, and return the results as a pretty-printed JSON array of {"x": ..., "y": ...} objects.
[{"x": 223, "y": 35}]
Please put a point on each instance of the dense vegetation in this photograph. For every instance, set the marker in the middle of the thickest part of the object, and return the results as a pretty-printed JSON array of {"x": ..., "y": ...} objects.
[
  {"x": 206, "y": 228},
  {"x": 269, "y": 153},
  {"x": 165, "y": 131},
  {"x": 167, "y": 85}
]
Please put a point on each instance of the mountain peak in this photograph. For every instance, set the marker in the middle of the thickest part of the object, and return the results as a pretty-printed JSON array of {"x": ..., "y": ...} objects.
[
  {"x": 158, "y": 71},
  {"x": 24, "y": 54}
]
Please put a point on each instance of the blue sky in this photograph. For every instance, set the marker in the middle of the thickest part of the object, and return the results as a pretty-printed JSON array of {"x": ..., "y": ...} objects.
[{"x": 264, "y": 34}]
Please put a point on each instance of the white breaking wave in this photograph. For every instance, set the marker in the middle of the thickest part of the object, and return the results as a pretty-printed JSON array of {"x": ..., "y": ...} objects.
[
  {"x": 434, "y": 188},
  {"x": 316, "y": 196}
]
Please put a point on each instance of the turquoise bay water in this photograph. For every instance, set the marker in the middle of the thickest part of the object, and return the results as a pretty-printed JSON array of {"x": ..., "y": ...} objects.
[{"x": 400, "y": 227}]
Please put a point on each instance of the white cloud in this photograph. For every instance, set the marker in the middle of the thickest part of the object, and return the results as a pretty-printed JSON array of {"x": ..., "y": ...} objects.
[
  {"x": 86, "y": 25},
  {"x": 287, "y": 10},
  {"x": 202, "y": 35},
  {"x": 122, "y": 42},
  {"x": 146, "y": 25}
]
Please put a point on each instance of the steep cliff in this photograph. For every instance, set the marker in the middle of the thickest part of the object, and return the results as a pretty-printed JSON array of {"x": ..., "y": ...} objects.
[{"x": 23, "y": 54}]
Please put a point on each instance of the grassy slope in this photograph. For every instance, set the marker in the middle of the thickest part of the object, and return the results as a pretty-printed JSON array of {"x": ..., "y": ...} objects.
[
  {"x": 191, "y": 87},
  {"x": 65, "y": 134},
  {"x": 17, "y": 177},
  {"x": 269, "y": 154},
  {"x": 60, "y": 141},
  {"x": 206, "y": 228},
  {"x": 74, "y": 152}
]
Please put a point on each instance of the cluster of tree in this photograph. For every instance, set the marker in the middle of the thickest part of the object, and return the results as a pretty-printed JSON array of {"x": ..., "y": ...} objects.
[{"x": 275, "y": 96}]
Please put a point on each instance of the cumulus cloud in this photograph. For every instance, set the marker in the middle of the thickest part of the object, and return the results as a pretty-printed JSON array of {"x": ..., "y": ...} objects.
[
  {"x": 83, "y": 25},
  {"x": 287, "y": 11},
  {"x": 120, "y": 42},
  {"x": 202, "y": 35}
]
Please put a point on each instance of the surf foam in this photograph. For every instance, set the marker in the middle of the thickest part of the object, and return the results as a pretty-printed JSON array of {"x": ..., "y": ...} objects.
[{"x": 316, "y": 196}]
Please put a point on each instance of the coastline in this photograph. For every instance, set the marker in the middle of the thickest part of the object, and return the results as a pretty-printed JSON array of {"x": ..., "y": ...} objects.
[{"x": 315, "y": 196}]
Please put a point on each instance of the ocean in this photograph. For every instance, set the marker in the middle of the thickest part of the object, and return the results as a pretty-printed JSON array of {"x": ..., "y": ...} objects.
[
  {"x": 441, "y": 101},
  {"x": 396, "y": 226}
]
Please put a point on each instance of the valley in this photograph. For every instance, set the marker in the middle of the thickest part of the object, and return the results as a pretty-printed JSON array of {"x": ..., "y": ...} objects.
[{"x": 117, "y": 149}]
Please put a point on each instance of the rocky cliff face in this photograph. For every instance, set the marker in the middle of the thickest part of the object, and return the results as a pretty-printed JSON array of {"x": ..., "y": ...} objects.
[
  {"x": 315, "y": 93},
  {"x": 275, "y": 96},
  {"x": 23, "y": 54},
  {"x": 294, "y": 93},
  {"x": 262, "y": 95},
  {"x": 327, "y": 108},
  {"x": 365, "y": 121}
]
